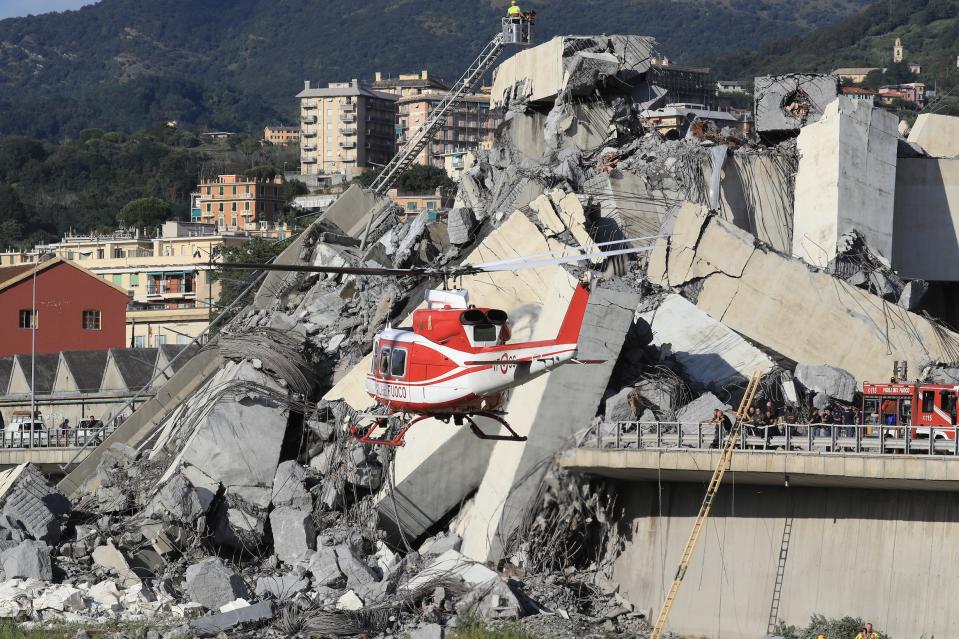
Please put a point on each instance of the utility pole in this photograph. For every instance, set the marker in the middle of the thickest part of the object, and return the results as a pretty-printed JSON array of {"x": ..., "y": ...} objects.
[{"x": 33, "y": 352}]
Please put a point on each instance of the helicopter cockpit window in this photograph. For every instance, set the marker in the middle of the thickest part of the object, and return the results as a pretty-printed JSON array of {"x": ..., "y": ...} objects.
[
  {"x": 398, "y": 363},
  {"x": 385, "y": 361}
]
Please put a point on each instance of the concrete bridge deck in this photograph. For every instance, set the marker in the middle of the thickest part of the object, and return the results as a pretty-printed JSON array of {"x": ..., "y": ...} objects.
[{"x": 778, "y": 468}]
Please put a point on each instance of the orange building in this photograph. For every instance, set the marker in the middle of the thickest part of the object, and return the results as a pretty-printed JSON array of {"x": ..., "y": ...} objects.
[
  {"x": 281, "y": 134},
  {"x": 239, "y": 203},
  {"x": 469, "y": 125}
]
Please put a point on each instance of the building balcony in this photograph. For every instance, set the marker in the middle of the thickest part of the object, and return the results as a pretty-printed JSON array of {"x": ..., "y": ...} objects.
[
  {"x": 347, "y": 131},
  {"x": 307, "y": 160},
  {"x": 310, "y": 119},
  {"x": 348, "y": 144},
  {"x": 348, "y": 108},
  {"x": 348, "y": 117},
  {"x": 310, "y": 107},
  {"x": 309, "y": 147},
  {"x": 309, "y": 134}
]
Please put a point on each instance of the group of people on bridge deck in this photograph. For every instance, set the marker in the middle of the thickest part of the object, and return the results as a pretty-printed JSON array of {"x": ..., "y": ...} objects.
[{"x": 766, "y": 421}]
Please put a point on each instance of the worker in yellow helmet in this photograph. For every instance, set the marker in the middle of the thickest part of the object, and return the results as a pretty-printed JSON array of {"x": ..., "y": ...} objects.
[{"x": 514, "y": 11}]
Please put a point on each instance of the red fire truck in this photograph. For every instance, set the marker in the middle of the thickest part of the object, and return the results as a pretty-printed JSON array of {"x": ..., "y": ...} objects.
[{"x": 920, "y": 408}]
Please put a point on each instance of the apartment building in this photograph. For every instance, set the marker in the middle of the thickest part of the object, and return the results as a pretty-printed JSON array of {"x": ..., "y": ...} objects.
[
  {"x": 407, "y": 84},
  {"x": 167, "y": 277},
  {"x": 467, "y": 128},
  {"x": 239, "y": 203},
  {"x": 346, "y": 128},
  {"x": 281, "y": 134}
]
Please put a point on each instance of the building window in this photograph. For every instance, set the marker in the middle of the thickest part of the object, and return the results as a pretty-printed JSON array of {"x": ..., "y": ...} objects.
[
  {"x": 233, "y": 222},
  {"x": 233, "y": 206},
  {"x": 25, "y": 316},
  {"x": 221, "y": 190},
  {"x": 91, "y": 320},
  {"x": 209, "y": 208},
  {"x": 247, "y": 188},
  {"x": 134, "y": 279},
  {"x": 246, "y": 206},
  {"x": 221, "y": 207},
  {"x": 118, "y": 279},
  {"x": 160, "y": 340},
  {"x": 139, "y": 341}
]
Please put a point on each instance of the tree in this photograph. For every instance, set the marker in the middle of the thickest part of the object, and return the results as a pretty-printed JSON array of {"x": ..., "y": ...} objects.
[
  {"x": 419, "y": 179},
  {"x": 234, "y": 281},
  {"x": 145, "y": 212},
  {"x": 292, "y": 189},
  {"x": 422, "y": 179},
  {"x": 262, "y": 172}
]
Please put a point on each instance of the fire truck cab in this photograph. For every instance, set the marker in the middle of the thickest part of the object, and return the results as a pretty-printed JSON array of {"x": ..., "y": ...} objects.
[{"x": 900, "y": 407}]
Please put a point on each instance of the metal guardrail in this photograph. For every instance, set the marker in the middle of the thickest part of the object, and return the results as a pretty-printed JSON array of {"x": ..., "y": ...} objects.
[
  {"x": 55, "y": 438},
  {"x": 864, "y": 438}
]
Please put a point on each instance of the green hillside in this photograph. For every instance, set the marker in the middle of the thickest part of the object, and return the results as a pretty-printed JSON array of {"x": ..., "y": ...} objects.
[
  {"x": 929, "y": 30},
  {"x": 236, "y": 64}
]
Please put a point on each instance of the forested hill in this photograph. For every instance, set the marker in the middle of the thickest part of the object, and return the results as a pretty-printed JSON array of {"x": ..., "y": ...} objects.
[
  {"x": 929, "y": 30},
  {"x": 236, "y": 64}
]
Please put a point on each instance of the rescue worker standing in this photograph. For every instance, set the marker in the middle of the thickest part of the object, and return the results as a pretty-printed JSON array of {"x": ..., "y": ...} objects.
[
  {"x": 867, "y": 633},
  {"x": 514, "y": 11}
]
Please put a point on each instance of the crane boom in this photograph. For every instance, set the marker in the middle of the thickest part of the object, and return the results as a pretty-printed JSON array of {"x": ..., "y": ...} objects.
[
  {"x": 714, "y": 485},
  {"x": 422, "y": 136}
]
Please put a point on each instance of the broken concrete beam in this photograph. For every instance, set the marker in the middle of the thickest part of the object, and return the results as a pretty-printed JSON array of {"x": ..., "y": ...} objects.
[
  {"x": 541, "y": 73},
  {"x": 288, "y": 488},
  {"x": 712, "y": 355},
  {"x": 784, "y": 306},
  {"x": 27, "y": 560},
  {"x": 550, "y": 411},
  {"x": 938, "y": 135},
  {"x": 912, "y": 294},
  {"x": 238, "y": 442},
  {"x": 294, "y": 536},
  {"x": 110, "y": 558},
  {"x": 789, "y": 102},
  {"x": 213, "y": 625},
  {"x": 27, "y": 499},
  {"x": 460, "y": 223},
  {"x": 757, "y": 194},
  {"x": 827, "y": 380},
  {"x": 325, "y": 567},
  {"x": 846, "y": 181},
  {"x": 211, "y": 583}
]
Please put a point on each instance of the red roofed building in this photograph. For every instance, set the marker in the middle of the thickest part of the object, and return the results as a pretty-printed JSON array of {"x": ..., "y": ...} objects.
[{"x": 75, "y": 309}]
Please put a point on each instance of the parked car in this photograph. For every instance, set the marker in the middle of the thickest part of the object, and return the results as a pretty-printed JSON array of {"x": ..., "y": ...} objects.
[{"x": 25, "y": 431}]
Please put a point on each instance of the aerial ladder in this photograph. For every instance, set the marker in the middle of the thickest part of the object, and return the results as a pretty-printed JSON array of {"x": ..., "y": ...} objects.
[
  {"x": 517, "y": 31},
  {"x": 711, "y": 491}
]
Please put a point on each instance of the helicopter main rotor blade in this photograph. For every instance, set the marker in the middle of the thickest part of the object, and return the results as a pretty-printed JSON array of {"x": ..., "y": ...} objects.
[
  {"x": 495, "y": 267},
  {"x": 454, "y": 271},
  {"x": 631, "y": 240},
  {"x": 336, "y": 270}
]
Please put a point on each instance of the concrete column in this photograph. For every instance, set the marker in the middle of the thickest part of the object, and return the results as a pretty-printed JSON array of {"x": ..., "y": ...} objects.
[
  {"x": 846, "y": 180},
  {"x": 550, "y": 412}
]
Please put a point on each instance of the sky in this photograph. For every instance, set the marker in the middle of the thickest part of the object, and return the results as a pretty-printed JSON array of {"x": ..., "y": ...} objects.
[{"x": 11, "y": 8}]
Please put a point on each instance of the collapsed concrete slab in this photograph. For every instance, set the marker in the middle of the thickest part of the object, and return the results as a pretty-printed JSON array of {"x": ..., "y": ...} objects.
[
  {"x": 542, "y": 72},
  {"x": 938, "y": 135},
  {"x": 786, "y": 103},
  {"x": 28, "y": 501},
  {"x": 846, "y": 180},
  {"x": 712, "y": 355},
  {"x": 550, "y": 411},
  {"x": 757, "y": 194},
  {"x": 780, "y": 303}
]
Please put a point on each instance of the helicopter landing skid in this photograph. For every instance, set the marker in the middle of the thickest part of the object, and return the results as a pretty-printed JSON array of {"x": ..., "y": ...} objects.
[
  {"x": 394, "y": 440},
  {"x": 512, "y": 437},
  {"x": 395, "y": 436}
]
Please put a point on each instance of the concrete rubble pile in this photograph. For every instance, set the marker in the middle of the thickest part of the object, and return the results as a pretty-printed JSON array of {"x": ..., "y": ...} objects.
[{"x": 249, "y": 507}]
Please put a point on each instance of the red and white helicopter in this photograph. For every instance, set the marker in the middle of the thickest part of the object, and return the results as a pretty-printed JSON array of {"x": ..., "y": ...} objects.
[{"x": 456, "y": 361}]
